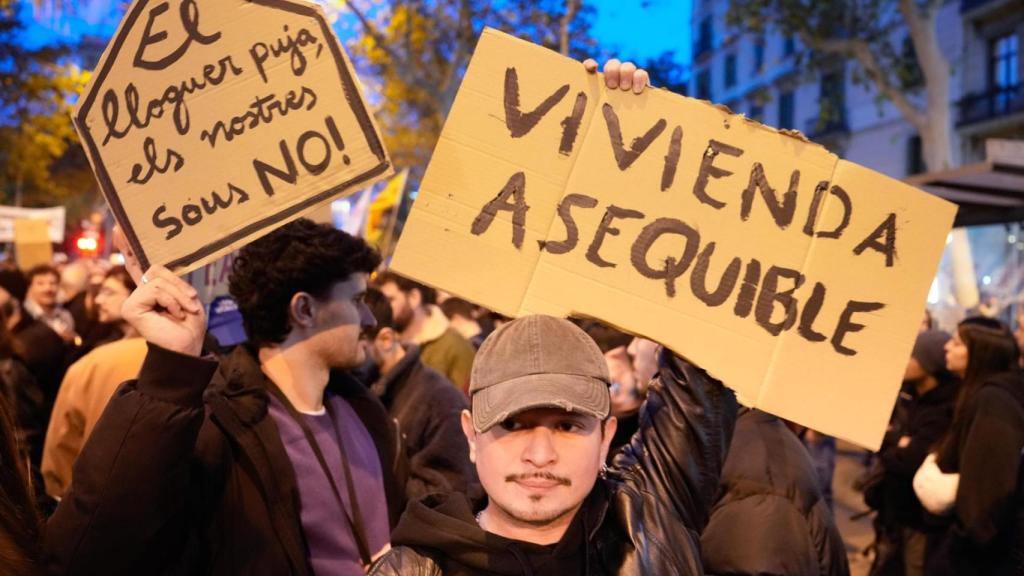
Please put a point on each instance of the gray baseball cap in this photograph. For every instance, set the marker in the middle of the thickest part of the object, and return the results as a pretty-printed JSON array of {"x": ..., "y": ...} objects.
[{"x": 538, "y": 362}]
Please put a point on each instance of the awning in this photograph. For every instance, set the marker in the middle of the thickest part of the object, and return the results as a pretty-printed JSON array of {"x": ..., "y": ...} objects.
[{"x": 989, "y": 192}]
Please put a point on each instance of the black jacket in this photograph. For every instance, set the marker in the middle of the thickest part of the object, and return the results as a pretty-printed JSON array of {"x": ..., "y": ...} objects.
[
  {"x": 924, "y": 420},
  {"x": 771, "y": 517},
  {"x": 643, "y": 518},
  {"x": 428, "y": 410},
  {"x": 177, "y": 481},
  {"x": 987, "y": 534}
]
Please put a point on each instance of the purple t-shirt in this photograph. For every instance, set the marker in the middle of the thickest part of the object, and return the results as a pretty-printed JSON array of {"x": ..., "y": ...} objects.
[{"x": 332, "y": 546}]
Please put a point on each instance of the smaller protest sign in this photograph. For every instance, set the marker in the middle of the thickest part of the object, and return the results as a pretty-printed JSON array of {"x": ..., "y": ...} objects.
[
  {"x": 32, "y": 245},
  {"x": 209, "y": 123}
]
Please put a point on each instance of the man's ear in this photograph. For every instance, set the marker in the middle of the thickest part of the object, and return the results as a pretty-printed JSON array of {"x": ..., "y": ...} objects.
[
  {"x": 302, "y": 310},
  {"x": 385, "y": 341},
  {"x": 610, "y": 426},
  {"x": 470, "y": 432}
]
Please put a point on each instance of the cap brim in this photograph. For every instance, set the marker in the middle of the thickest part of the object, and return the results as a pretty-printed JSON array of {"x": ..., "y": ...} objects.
[{"x": 570, "y": 392}]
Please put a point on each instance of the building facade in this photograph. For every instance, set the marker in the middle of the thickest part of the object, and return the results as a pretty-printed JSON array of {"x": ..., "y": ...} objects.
[{"x": 760, "y": 75}]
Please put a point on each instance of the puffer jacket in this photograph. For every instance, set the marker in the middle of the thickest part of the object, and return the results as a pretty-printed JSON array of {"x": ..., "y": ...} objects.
[
  {"x": 771, "y": 503},
  {"x": 644, "y": 517}
]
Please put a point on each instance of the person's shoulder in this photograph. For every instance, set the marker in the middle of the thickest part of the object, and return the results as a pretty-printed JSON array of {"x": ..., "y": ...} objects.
[
  {"x": 119, "y": 350},
  {"x": 406, "y": 562}
]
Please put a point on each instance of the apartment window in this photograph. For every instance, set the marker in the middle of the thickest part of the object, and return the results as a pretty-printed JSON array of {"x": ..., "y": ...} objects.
[
  {"x": 704, "y": 84},
  {"x": 786, "y": 110},
  {"x": 705, "y": 39},
  {"x": 915, "y": 159},
  {"x": 832, "y": 99},
  {"x": 730, "y": 70},
  {"x": 759, "y": 55},
  {"x": 788, "y": 45}
]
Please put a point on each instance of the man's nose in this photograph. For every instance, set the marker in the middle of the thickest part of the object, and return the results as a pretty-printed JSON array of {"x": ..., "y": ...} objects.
[
  {"x": 366, "y": 319},
  {"x": 540, "y": 448}
]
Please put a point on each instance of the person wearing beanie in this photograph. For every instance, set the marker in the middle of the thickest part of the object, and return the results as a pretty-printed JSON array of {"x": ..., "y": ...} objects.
[
  {"x": 539, "y": 430},
  {"x": 922, "y": 417}
]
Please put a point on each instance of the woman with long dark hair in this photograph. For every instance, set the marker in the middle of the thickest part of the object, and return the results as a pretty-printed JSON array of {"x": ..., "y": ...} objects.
[
  {"x": 974, "y": 477},
  {"x": 19, "y": 521}
]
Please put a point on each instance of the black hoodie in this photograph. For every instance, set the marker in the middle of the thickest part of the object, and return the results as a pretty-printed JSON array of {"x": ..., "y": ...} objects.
[{"x": 447, "y": 523}]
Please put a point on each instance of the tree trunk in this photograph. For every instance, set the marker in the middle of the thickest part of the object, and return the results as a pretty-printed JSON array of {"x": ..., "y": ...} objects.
[{"x": 936, "y": 132}]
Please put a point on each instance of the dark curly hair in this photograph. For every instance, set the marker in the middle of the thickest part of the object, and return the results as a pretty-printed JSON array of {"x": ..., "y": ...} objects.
[
  {"x": 302, "y": 256},
  {"x": 427, "y": 294}
]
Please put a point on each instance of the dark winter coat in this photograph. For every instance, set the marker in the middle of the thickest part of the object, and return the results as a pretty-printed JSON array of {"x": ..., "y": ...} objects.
[
  {"x": 645, "y": 517},
  {"x": 177, "y": 481},
  {"x": 428, "y": 411},
  {"x": 770, "y": 517},
  {"x": 925, "y": 421},
  {"x": 987, "y": 534}
]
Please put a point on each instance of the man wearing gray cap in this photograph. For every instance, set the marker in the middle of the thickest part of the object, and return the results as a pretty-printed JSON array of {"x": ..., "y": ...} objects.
[{"x": 539, "y": 433}]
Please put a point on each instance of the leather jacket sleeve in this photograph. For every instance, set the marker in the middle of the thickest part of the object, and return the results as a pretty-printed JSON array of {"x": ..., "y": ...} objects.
[
  {"x": 131, "y": 478},
  {"x": 403, "y": 561},
  {"x": 677, "y": 454}
]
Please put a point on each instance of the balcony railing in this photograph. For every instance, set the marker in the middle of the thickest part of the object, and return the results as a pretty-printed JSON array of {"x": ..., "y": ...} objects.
[{"x": 994, "y": 103}]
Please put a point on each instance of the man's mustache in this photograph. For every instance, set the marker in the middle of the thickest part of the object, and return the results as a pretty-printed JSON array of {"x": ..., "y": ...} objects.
[{"x": 542, "y": 474}]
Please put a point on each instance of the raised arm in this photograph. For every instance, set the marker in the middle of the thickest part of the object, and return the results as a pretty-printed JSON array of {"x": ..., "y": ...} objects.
[
  {"x": 130, "y": 480},
  {"x": 686, "y": 425}
]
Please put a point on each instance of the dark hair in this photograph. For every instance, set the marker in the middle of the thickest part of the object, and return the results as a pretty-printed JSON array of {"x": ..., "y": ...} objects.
[
  {"x": 302, "y": 256},
  {"x": 427, "y": 294},
  {"x": 13, "y": 281},
  {"x": 457, "y": 306},
  {"x": 120, "y": 273},
  {"x": 40, "y": 270},
  {"x": 20, "y": 524},
  {"x": 606, "y": 337},
  {"x": 378, "y": 304},
  {"x": 991, "y": 350}
]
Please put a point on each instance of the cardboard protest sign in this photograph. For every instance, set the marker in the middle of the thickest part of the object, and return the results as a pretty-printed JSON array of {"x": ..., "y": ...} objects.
[
  {"x": 32, "y": 245},
  {"x": 211, "y": 122},
  {"x": 54, "y": 217},
  {"x": 796, "y": 278}
]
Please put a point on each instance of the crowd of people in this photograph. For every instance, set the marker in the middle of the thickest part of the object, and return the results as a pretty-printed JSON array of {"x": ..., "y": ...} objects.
[{"x": 371, "y": 424}]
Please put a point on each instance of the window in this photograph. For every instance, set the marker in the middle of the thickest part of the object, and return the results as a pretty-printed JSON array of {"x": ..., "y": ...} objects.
[
  {"x": 705, "y": 39},
  {"x": 910, "y": 73},
  {"x": 786, "y": 110},
  {"x": 1003, "y": 69},
  {"x": 788, "y": 45},
  {"x": 759, "y": 55},
  {"x": 730, "y": 70},
  {"x": 704, "y": 85},
  {"x": 832, "y": 99},
  {"x": 915, "y": 160}
]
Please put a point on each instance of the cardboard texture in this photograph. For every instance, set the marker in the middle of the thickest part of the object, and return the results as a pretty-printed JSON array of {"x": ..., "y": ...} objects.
[
  {"x": 32, "y": 245},
  {"x": 796, "y": 278},
  {"x": 211, "y": 122}
]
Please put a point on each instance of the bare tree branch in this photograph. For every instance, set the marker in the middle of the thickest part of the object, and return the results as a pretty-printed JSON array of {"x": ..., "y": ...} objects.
[
  {"x": 571, "y": 6},
  {"x": 861, "y": 51}
]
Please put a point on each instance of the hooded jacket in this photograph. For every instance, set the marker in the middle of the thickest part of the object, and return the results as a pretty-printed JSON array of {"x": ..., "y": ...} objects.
[
  {"x": 985, "y": 447},
  {"x": 643, "y": 517},
  {"x": 177, "y": 481},
  {"x": 771, "y": 517}
]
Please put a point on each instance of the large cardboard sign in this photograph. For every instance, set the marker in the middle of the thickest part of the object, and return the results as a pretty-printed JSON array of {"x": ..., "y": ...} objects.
[
  {"x": 210, "y": 122},
  {"x": 796, "y": 278}
]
